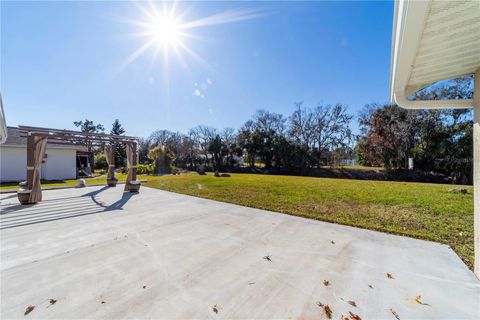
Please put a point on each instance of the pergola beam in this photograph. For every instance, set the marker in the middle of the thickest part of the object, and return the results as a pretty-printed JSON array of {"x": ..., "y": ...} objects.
[{"x": 76, "y": 133}]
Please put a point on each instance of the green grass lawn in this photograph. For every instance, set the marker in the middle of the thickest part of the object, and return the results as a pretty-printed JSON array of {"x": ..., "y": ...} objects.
[{"x": 419, "y": 210}]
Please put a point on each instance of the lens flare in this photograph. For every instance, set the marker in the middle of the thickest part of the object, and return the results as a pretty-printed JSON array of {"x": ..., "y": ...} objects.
[{"x": 165, "y": 31}]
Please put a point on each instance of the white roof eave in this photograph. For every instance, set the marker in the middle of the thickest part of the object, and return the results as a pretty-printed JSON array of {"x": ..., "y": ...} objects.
[{"x": 408, "y": 25}]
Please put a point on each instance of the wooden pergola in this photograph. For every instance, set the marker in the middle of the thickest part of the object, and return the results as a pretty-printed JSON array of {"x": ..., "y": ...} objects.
[{"x": 37, "y": 139}]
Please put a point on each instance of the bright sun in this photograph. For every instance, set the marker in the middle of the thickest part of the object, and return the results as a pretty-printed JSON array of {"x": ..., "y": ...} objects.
[{"x": 166, "y": 31}]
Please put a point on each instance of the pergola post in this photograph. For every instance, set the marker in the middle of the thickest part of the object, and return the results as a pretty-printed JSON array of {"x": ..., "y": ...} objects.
[
  {"x": 476, "y": 171},
  {"x": 36, "y": 146},
  {"x": 110, "y": 156},
  {"x": 30, "y": 160},
  {"x": 25, "y": 190},
  {"x": 134, "y": 161},
  {"x": 131, "y": 183}
]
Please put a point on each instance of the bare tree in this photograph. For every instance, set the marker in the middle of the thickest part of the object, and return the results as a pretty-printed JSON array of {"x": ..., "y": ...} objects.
[
  {"x": 202, "y": 135},
  {"x": 301, "y": 126},
  {"x": 269, "y": 121},
  {"x": 331, "y": 128}
]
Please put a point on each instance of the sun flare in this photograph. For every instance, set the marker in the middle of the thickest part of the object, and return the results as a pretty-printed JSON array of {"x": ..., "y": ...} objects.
[{"x": 164, "y": 29}]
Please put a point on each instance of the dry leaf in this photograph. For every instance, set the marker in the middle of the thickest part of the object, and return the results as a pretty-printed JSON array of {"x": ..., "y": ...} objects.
[
  {"x": 326, "y": 283},
  {"x": 343, "y": 318},
  {"x": 29, "y": 309},
  {"x": 267, "y": 258},
  {"x": 328, "y": 311},
  {"x": 215, "y": 309},
  {"x": 395, "y": 314},
  {"x": 389, "y": 275},
  {"x": 52, "y": 301},
  {"x": 419, "y": 300},
  {"x": 354, "y": 316},
  {"x": 352, "y": 303}
]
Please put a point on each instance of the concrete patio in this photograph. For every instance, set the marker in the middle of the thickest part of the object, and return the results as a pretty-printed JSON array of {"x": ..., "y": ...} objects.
[{"x": 101, "y": 253}]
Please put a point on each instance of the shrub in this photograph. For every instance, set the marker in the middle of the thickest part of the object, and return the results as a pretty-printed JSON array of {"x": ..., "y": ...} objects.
[
  {"x": 162, "y": 157},
  {"x": 145, "y": 168},
  {"x": 100, "y": 162},
  {"x": 174, "y": 170},
  {"x": 201, "y": 170}
]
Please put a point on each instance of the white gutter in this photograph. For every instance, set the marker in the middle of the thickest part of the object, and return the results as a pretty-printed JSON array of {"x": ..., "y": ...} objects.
[
  {"x": 409, "y": 24},
  {"x": 400, "y": 99}
]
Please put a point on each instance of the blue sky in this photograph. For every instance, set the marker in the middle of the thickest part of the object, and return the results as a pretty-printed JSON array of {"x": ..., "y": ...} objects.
[{"x": 65, "y": 61}]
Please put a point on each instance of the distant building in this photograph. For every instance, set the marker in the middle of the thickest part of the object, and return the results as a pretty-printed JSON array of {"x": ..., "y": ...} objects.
[{"x": 60, "y": 162}]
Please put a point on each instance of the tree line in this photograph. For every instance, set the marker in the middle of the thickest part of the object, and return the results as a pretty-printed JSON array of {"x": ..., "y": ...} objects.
[
  {"x": 439, "y": 141},
  {"x": 308, "y": 138}
]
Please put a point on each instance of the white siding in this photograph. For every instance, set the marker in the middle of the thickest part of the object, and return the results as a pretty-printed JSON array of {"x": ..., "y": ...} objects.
[
  {"x": 13, "y": 163},
  {"x": 59, "y": 164}
]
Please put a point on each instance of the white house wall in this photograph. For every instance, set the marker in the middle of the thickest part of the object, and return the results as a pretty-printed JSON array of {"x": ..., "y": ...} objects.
[
  {"x": 13, "y": 163},
  {"x": 59, "y": 164}
]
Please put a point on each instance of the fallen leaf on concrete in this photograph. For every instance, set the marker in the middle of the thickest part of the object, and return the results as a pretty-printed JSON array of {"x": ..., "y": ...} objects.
[
  {"x": 352, "y": 303},
  {"x": 342, "y": 317},
  {"x": 354, "y": 316},
  {"x": 395, "y": 314},
  {"x": 52, "y": 301},
  {"x": 419, "y": 300},
  {"x": 326, "y": 283},
  {"x": 29, "y": 309},
  {"x": 326, "y": 309},
  {"x": 215, "y": 309},
  {"x": 389, "y": 275},
  {"x": 267, "y": 258}
]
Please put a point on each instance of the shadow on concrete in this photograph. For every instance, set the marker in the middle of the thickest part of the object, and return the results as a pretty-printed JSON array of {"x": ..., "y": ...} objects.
[{"x": 57, "y": 209}]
